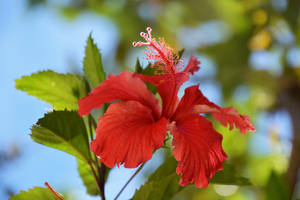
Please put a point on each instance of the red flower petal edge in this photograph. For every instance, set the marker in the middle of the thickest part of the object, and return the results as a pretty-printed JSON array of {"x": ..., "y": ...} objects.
[
  {"x": 198, "y": 150},
  {"x": 121, "y": 87},
  {"x": 194, "y": 101}
]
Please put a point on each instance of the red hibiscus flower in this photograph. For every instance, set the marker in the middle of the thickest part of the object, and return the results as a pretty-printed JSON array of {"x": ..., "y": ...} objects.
[{"x": 133, "y": 127}]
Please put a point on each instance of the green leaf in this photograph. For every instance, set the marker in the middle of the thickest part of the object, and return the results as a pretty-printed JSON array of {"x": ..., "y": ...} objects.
[
  {"x": 180, "y": 53},
  {"x": 87, "y": 177},
  {"x": 276, "y": 188},
  {"x": 149, "y": 70},
  {"x": 138, "y": 67},
  {"x": 162, "y": 185},
  {"x": 164, "y": 182},
  {"x": 62, "y": 91},
  {"x": 229, "y": 176},
  {"x": 92, "y": 64},
  {"x": 65, "y": 131},
  {"x": 163, "y": 189},
  {"x": 36, "y": 193},
  {"x": 167, "y": 168}
]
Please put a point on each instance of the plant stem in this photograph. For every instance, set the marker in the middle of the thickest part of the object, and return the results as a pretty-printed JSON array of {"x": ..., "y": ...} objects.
[
  {"x": 53, "y": 191},
  {"x": 129, "y": 180},
  {"x": 102, "y": 170},
  {"x": 92, "y": 126},
  {"x": 97, "y": 181},
  {"x": 100, "y": 179}
]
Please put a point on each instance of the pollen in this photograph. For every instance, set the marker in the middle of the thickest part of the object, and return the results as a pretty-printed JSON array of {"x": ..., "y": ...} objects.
[{"x": 158, "y": 52}]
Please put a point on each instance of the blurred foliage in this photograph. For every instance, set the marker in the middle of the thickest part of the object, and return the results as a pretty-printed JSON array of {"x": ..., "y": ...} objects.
[
  {"x": 250, "y": 49},
  {"x": 278, "y": 184},
  {"x": 8, "y": 154}
]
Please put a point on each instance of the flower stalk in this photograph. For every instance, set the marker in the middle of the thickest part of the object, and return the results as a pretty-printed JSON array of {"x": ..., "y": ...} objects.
[{"x": 58, "y": 196}]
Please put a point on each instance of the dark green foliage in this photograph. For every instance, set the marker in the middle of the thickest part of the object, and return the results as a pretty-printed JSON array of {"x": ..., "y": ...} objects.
[
  {"x": 180, "y": 53},
  {"x": 63, "y": 130},
  {"x": 149, "y": 70},
  {"x": 163, "y": 184},
  {"x": 276, "y": 188},
  {"x": 229, "y": 176}
]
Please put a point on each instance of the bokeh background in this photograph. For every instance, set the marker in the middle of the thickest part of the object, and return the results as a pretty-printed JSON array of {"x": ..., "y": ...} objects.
[{"x": 250, "y": 55}]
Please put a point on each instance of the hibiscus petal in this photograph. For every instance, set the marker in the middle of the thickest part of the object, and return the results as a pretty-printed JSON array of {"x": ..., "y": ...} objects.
[
  {"x": 121, "y": 87},
  {"x": 231, "y": 116},
  {"x": 198, "y": 150},
  {"x": 194, "y": 101},
  {"x": 128, "y": 133},
  {"x": 193, "y": 65},
  {"x": 167, "y": 86},
  {"x": 193, "y": 96}
]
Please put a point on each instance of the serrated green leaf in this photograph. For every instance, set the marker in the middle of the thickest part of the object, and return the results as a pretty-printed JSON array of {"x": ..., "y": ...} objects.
[
  {"x": 87, "y": 177},
  {"x": 65, "y": 131},
  {"x": 62, "y": 91},
  {"x": 163, "y": 184},
  {"x": 92, "y": 63},
  {"x": 36, "y": 193}
]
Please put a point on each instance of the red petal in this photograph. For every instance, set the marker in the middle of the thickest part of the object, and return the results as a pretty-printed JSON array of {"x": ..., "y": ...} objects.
[
  {"x": 194, "y": 101},
  {"x": 198, "y": 150},
  {"x": 128, "y": 133},
  {"x": 193, "y": 96},
  {"x": 121, "y": 87},
  {"x": 193, "y": 65},
  {"x": 231, "y": 116},
  {"x": 167, "y": 86}
]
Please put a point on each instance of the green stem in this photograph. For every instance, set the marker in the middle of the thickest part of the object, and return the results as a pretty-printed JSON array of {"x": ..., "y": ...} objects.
[
  {"x": 92, "y": 126},
  {"x": 97, "y": 181},
  {"x": 100, "y": 167}
]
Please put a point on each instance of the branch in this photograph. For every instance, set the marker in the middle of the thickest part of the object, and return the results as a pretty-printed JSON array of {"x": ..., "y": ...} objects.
[
  {"x": 102, "y": 170},
  {"x": 290, "y": 100}
]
